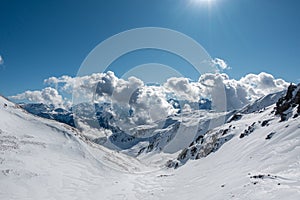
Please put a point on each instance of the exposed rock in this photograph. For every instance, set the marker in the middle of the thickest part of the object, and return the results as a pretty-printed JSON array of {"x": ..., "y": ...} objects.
[
  {"x": 235, "y": 117},
  {"x": 248, "y": 131},
  {"x": 269, "y": 136},
  {"x": 287, "y": 103}
]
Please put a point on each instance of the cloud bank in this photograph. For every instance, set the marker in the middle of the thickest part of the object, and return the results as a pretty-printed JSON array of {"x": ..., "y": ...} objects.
[{"x": 150, "y": 103}]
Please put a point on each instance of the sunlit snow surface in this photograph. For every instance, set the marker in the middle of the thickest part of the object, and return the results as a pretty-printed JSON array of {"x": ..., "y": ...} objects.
[{"x": 43, "y": 159}]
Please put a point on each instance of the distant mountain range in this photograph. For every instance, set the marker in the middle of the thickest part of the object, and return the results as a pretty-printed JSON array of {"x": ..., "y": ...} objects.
[{"x": 249, "y": 153}]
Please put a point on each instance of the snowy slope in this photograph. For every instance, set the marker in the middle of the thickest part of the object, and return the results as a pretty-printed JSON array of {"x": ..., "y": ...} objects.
[
  {"x": 262, "y": 165},
  {"x": 255, "y": 156},
  {"x": 169, "y": 135},
  {"x": 262, "y": 102},
  {"x": 42, "y": 159}
]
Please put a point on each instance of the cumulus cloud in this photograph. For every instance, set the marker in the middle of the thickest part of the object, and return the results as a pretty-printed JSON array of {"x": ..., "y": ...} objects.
[
  {"x": 225, "y": 93},
  {"x": 150, "y": 103},
  {"x": 118, "y": 90},
  {"x": 262, "y": 84},
  {"x": 220, "y": 64},
  {"x": 47, "y": 95},
  {"x": 183, "y": 89},
  {"x": 80, "y": 86},
  {"x": 100, "y": 86},
  {"x": 238, "y": 93}
]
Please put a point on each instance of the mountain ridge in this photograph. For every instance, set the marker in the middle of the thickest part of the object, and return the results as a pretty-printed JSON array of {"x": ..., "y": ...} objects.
[{"x": 250, "y": 155}]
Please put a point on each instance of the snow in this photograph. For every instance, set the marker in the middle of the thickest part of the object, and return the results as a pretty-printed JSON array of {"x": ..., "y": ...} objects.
[
  {"x": 44, "y": 159},
  {"x": 239, "y": 159}
]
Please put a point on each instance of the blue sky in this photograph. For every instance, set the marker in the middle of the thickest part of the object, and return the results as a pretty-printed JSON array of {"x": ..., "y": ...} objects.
[{"x": 39, "y": 39}]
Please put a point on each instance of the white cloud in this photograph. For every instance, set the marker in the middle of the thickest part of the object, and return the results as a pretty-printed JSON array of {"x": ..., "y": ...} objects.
[
  {"x": 239, "y": 92},
  {"x": 262, "y": 84},
  {"x": 213, "y": 87},
  {"x": 104, "y": 85},
  {"x": 149, "y": 103},
  {"x": 47, "y": 95},
  {"x": 118, "y": 90},
  {"x": 183, "y": 89},
  {"x": 1, "y": 60},
  {"x": 220, "y": 64}
]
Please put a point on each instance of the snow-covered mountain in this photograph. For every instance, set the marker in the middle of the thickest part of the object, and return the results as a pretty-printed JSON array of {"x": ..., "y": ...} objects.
[
  {"x": 50, "y": 112},
  {"x": 94, "y": 119},
  {"x": 261, "y": 116},
  {"x": 99, "y": 123},
  {"x": 251, "y": 153},
  {"x": 44, "y": 159}
]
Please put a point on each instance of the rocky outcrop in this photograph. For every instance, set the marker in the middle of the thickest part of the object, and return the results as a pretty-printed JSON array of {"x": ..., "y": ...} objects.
[
  {"x": 286, "y": 104},
  {"x": 202, "y": 146}
]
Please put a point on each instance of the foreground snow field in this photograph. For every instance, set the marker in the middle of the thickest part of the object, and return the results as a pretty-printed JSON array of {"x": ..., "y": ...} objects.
[{"x": 44, "y": 159}]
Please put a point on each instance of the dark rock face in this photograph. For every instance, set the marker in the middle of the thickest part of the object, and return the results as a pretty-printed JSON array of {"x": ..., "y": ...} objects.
[
  {"x": 265, "y": 123},
  {"x": 297, "y": 101},
  {"x": 248, "y": 131},
  {"x": 202, "y": 146},
  {"x": 288, "y": 102},
  {"x": 270, "y": 135},
  {"x": 235, "y": 117}
]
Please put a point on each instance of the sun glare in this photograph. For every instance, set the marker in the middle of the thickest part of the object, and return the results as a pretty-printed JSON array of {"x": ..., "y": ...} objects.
[{"x": 202, "y": 1}]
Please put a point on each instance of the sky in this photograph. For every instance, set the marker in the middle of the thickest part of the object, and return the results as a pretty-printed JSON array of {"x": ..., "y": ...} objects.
[{"x": 41, "y": 39}]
